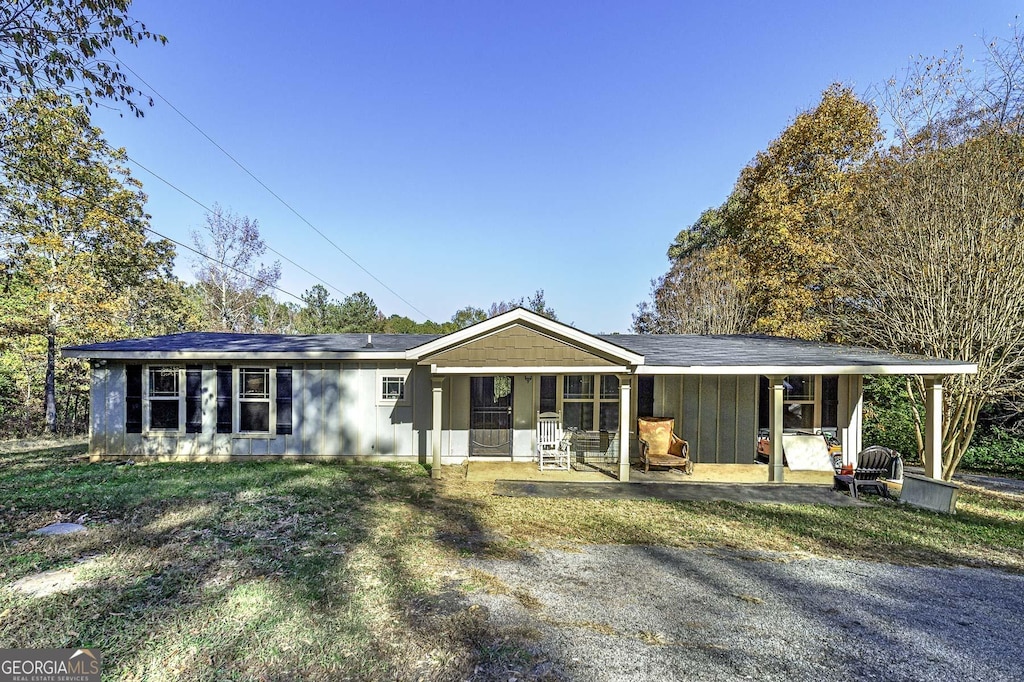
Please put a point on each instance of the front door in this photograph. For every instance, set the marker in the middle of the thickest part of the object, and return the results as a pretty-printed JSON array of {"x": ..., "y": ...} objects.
[{"x": 490, "y": 416}]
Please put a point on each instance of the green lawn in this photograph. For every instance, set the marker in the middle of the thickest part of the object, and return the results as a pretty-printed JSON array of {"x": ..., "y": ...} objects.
[{"x": 280, "y": 570}]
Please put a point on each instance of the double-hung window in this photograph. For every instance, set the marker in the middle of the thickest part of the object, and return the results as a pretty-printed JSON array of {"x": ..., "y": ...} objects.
[
  {"x": 254, "y": 404},
  {"x": 165, "y": 397},
  {"x": 590, "y": 402}
]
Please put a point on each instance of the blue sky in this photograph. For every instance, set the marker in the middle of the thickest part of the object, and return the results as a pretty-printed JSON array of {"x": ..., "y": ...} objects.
[{"x": 469, "y": 152}]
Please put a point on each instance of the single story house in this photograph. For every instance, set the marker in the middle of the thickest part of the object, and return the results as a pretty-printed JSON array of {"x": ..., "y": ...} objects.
[{"x": 477, "y": 392}]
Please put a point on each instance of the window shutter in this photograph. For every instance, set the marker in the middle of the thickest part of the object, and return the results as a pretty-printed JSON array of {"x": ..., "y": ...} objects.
[
  {"x": 133, "y": 398},
  {"x": 284, "y": 400},
  {"x": 193, "y": 399},
  {"x": 223, "y": 398}
]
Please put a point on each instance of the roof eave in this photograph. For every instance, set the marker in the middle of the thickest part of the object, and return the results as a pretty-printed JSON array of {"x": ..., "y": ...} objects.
[
  {"x": 768, "y": 370},
  {"x": 235, "y": 355}
]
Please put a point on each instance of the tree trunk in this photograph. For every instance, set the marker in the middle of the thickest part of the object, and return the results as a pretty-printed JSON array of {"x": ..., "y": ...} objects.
[{"x": 50, "y": 394}]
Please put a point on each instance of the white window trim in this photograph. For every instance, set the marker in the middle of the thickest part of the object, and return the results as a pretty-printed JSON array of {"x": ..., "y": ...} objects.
[
  {"x": 147, "y": 401},
  {"x": 236, "y": 402},
  {"x": 405, "y": 375}
]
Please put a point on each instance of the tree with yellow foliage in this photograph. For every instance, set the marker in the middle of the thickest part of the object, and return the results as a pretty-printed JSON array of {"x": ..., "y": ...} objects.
[{"x": 73, "y": 242}]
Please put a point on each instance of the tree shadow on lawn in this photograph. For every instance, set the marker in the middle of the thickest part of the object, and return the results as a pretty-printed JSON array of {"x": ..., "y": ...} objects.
[{"x": 248, "y": 571}]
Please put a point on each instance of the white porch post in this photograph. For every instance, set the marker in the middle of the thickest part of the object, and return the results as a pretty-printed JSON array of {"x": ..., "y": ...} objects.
[
  {"x": 435, "y": 429},
  {"x": 851, "y": 416},
  {"x": 933, "y": 427},
  {"x": 775, "y": 398},
  {"x": 624, "y": 421}
]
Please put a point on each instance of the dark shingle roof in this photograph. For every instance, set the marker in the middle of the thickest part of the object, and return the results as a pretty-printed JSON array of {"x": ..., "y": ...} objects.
[
  {"x": 205, "y": 342},
  {"x": 671, "y": 350},
  {"x": 689, "y": 350}
]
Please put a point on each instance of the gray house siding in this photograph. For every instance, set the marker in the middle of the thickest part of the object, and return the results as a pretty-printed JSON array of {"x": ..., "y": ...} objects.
[
  {"x": 335, "y": 413},
  {"x": 716, "y": 414}
]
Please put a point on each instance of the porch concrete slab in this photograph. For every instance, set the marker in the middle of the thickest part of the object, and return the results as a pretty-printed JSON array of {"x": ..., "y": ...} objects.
[
  {"x": 702, "y": 473},
  {"x": 527, "y": 471},
  {"x": 748, "y": 493}
]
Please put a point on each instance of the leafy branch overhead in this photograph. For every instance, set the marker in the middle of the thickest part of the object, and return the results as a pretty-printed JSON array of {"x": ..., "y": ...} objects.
[{"x": 70, "y": 47}]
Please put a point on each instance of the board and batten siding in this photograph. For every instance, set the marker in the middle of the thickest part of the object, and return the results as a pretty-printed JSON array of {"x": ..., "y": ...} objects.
[
  {"x": 335, "y": 413},
  {"x": 716, "y": 414}
]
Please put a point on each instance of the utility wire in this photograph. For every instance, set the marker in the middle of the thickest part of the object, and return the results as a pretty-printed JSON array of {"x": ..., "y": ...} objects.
[
  {"x": 106, "y": 210},
  {"x": 264, "y": 186},
  {"x": 210, "y": 210}
]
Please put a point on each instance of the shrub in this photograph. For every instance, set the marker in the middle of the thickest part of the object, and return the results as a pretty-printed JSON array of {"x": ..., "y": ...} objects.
[{"x": 995, "y": 450}]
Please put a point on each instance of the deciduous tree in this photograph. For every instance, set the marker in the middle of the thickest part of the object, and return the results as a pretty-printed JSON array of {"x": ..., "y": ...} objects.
[
  {"x": 72, "y": 231},
  {"x": 794, "y": 201},
  {"x": 230, "y": 275},
  {"x": 935, "y": 266},
  {"x": 705, "y": 292},
  {"x": 63, "y": 46}
]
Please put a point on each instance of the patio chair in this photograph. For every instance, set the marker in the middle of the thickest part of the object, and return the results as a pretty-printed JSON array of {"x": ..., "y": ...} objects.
[
  {"x": 552, "y": 447},
  {"x": 660, "y": 446},
  {"x": 872, "y": 464}
]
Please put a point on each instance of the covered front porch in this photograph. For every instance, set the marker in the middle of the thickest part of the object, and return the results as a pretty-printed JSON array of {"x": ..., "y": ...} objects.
[{"x": 489, "y": 384}]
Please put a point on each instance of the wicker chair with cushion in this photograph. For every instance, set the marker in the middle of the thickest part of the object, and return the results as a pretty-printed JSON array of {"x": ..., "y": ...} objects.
[{"x": 660, "y": 446}]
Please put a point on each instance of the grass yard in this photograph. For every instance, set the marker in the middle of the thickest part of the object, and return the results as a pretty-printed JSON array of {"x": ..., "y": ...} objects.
[{"x": 282, "y": 570}]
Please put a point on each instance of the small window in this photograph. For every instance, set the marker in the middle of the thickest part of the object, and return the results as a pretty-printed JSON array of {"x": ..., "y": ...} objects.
[
  {"x": 164, "y": 398},
  {"x": 254, "y": 399},
  {"x": 392, "y": 388}
]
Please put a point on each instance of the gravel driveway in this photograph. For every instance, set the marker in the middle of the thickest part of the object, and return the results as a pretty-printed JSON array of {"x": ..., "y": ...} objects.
[{"x": 653, "y": 613}]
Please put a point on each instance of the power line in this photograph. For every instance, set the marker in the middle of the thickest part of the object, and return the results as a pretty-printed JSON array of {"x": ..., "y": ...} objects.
[
  {"x": 210, "y": 210},
  {"x": 106, "y": 210},
  {"x": 264, "y": 186}
]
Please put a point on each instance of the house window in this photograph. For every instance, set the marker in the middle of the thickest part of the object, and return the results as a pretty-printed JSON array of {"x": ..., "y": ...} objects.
[
  {"x": 585, "y": 408},
  {"x": 578, "y": 401},
  {"x": 798, "y": 402},
  {"x": 254, "y": 400},
  {"x": 608, "y": 407},
  {"x": 165, "y": 398},
  {"x": 392, "y": 388},
  {"x": 809, "y": 402}
]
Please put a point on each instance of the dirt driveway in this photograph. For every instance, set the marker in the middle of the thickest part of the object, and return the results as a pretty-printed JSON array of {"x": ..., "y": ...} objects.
[{"x": 653, "y": 613}]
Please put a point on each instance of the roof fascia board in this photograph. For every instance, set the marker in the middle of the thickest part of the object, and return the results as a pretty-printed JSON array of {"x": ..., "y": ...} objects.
[
  {"x": 553, "y": 328},
  {"x": 964, "y": 368},
  {"x": 595, "y": 369},
  {"x": 233, "y": 355}
]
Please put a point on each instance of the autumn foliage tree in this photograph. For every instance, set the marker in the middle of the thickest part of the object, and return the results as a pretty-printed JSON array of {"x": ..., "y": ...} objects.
[
  {"x": 74, "y": 254},
  {"x": 768, "y": 254}
]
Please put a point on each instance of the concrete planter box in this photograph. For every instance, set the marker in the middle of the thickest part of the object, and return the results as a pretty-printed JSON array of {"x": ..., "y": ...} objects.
[{"x": 929, "y": 493}]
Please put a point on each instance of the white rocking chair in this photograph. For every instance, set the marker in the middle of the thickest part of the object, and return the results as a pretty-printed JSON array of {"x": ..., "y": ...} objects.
[{"x": 552, "y": 448}]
